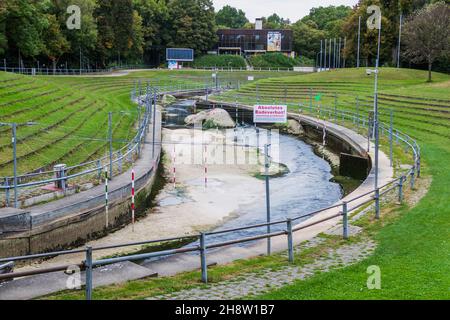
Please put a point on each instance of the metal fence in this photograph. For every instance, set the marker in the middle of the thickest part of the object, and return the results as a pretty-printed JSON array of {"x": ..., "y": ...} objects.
[
  {"x": 61, "y": 71},
  {"x": 230, "y": 69},
  {"x": 201, "y": 244}
]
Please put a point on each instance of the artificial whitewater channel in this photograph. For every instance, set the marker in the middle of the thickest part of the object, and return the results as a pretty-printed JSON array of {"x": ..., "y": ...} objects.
[{"x": 305, "y": 186}]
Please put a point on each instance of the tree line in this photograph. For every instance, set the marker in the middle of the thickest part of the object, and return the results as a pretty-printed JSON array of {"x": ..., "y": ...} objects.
[
  {"x": 424, "y": 22},
  {"x": 112, "y": 31},
  {"x": 137, "y": 31}
]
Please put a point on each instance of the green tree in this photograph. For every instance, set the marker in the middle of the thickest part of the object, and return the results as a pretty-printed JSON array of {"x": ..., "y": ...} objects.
[
  {"x": 369, "y": 38},
  {"x": 307, "y": 38},
  {"x": 26, "y": 22},
  {"x": 427, "y": 35},
  {"x": 323, "y": 16},
  {"x": 391, "y": 10},
  {"x": 56, "y": 44},
  {"x": 120, "y": 31},
  {"x": 85, "y": 39},
  {"x": 321, "y": 23},
  {"x": 155, "y": 17},
  {"x": 192, "y": 24},
  {"x": 230, "y": 17},
  {"x": 275, "y": 22},
  {"x": 3, "y": 40}
]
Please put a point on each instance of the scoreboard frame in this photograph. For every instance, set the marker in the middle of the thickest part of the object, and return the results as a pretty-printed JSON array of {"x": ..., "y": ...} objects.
[{"x": 168, "y": 58}]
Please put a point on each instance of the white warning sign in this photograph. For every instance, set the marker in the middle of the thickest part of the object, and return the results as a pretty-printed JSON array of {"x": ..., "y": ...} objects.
[{"x": 270, "y": 114}]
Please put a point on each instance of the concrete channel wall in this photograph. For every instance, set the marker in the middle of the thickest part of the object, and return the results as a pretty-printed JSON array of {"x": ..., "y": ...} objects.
[{"x": 76, "y": 219}]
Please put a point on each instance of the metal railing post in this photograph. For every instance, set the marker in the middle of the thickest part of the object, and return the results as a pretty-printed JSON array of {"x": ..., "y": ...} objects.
[
  {"x": 400, "y": 190},
  {"x": 120, "y": 158},
  {"x": 335, "y": 108},
  {"x": 391, "y": 138},
  {"x": 203, "y": 257},
  {"x": 88, "y": 264},
  {"x": 377, "y": 203},
  {"x": 311, "y": 100},
  {"x": 290, "y": 241},
  {"x": 418, "y": 168},
  {"x": 413, "y": 173},
  {"x": 14, "y": 142},
  {"x": 268, "y": 211},
  {"x": 345, "y": 220},
  {"x": 7, "y": 192},
  {"x": 99, "y": 169}
]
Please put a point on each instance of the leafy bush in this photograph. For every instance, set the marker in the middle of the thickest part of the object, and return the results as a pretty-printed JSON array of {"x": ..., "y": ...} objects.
[
  {"x": 272, "y": 60},
  {"x": 304, "y": 61},
  {"x": 278, "y": 60},
  {"x": 226, "y": 61}
]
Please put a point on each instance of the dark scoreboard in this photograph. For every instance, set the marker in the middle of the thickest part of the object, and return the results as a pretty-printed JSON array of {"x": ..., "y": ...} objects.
[{"x": 179, "y": 54}]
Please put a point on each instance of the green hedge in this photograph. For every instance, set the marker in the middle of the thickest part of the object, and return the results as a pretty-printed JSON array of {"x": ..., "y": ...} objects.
[
  {"x": 278, "y": 60},
  {"x": 226, "y": 61}
]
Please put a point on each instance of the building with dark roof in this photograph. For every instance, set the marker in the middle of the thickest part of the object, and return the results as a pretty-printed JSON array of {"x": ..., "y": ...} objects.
[{"x": 254, "y": 41}]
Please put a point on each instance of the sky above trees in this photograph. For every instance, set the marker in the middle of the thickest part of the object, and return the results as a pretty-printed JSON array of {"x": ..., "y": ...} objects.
[{"x": 292, "y": 9}]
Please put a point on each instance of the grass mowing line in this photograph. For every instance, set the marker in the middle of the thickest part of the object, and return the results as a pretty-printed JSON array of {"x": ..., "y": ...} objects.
[
  {"x": 4, "y": 94},
  {"x": 47, "y": 112},
  {"x": 52, "y": 141},
  {"x": 44, "y": 103},
  {"x": 15, "y": 102},
  {"x": 415, "y": 98},
  {"x": 63, "y": 117}
]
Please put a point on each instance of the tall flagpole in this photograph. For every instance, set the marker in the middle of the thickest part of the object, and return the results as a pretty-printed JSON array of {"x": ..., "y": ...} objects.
[
  {"x": 377, "y": 137},
  {"x": 359, "y": 41},
  {"x": 399, "y": 40}
]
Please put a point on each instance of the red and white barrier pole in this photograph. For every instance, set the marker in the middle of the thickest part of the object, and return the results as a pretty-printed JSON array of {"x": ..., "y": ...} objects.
[{"x": 133, "y": 208}]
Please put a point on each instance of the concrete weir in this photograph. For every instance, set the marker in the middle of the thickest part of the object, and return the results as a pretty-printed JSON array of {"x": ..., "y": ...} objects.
[{"x": 75, "y": 219}]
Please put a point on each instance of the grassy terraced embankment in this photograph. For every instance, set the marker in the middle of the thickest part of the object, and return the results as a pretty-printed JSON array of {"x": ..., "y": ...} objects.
[
  {"x": 70, "y": 123},
  {"x": 414, "y": 251}
]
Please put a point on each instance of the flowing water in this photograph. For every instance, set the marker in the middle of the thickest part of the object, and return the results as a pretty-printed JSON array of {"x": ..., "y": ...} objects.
[{"x": 305, "y": 188}]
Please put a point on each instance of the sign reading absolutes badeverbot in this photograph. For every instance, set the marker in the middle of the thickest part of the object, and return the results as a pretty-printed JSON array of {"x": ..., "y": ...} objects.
[{"x": 270, "y": 114}]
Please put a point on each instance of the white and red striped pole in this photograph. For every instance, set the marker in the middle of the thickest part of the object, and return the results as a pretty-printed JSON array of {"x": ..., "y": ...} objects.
[
  {"x": 106, "y": 197},
  {"x": 133, "y": 208}
]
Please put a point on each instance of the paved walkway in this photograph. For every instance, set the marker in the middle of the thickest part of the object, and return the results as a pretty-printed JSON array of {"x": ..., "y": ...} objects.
[{"x": 254, "y": 284}]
